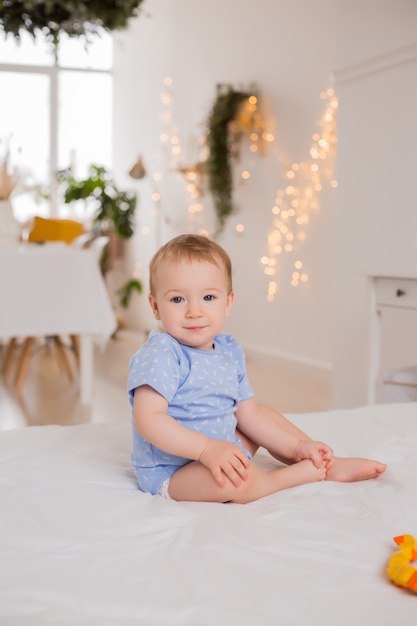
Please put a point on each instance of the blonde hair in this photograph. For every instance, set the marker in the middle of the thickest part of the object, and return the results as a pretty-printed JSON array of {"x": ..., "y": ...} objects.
[{"x": 190, "y": 248}]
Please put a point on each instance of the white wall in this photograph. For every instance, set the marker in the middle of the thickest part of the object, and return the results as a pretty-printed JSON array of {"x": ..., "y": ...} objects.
[
  {"x": 289, "y": 48},
  {"x": 377, "y": 217}
]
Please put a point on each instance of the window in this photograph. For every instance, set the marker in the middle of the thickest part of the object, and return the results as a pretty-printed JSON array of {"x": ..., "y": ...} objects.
[{"x": 55, "y": 112}]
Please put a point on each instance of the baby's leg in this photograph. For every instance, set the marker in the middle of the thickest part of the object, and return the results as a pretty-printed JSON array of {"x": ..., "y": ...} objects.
[
  {"x": 195, "y": 482},
  {"x": 348, "y": 469}
]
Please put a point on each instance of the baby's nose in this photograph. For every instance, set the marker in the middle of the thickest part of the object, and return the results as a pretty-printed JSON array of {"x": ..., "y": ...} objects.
[{"x": 193, "y": 311}]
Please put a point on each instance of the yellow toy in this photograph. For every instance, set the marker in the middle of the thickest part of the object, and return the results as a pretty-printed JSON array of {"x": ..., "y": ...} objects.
[{"x": 399, "y": 569}]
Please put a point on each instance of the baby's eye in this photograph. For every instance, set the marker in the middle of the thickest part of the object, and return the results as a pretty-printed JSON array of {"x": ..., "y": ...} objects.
[
  {"x": 209, "y": 298},
  {"x": 177, "y": 299}
]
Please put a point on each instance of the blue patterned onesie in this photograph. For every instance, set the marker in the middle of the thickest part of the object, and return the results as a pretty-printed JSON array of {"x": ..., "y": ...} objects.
[{"x": 202, "y": 388}]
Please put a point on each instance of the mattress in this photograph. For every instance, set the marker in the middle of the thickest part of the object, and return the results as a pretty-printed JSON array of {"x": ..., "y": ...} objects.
[{"x": 80, "y": 544}]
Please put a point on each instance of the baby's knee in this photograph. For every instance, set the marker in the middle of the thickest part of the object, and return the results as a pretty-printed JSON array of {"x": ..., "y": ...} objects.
[{"x": 247, "y": 490}]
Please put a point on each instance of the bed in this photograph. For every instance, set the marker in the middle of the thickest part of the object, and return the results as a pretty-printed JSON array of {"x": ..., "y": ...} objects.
[{"x": 81, "y": 545}]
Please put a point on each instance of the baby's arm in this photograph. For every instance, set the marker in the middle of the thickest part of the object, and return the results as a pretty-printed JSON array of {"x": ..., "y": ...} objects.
[
  {"x": 163, "y": 431},
  {"x": 260, "y": 424}
]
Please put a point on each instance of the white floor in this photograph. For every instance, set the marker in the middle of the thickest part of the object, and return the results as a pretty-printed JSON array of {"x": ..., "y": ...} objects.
[{"x": 49, "y": 397}]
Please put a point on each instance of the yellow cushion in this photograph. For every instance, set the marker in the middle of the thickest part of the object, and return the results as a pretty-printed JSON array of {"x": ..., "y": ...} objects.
[{"x": 54, "y": 229}]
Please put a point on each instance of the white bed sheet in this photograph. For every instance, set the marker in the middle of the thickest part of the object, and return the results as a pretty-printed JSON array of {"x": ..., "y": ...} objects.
[{"x": 79, "y": 544}]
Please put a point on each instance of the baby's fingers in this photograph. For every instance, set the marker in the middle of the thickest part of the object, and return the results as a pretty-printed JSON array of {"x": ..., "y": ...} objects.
[
  {"x": 235, "y": 474},
  {"x": 218, "y": 476}
]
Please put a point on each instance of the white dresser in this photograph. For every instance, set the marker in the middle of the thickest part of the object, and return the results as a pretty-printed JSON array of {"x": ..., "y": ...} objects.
[{"x": 397, "y": 292}]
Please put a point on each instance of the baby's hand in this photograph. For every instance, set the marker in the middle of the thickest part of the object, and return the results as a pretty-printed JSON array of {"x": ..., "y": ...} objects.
[
  {"x": 225, "y": 459},
  {"x": 320, "y": 453},
  {"x": 306, "y": 472}
]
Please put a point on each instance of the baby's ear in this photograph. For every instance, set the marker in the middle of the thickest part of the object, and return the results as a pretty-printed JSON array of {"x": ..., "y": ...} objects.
[
  {"x": 154, "y": 306},
  {"x": 230, "y": 300}
]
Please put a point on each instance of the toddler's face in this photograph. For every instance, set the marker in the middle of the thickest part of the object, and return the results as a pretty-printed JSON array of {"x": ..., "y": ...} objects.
[{"x": 191, "y": 300}]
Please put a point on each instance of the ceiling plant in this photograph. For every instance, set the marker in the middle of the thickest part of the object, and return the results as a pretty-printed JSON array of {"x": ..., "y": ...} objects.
[
  {"x": 76, "y": 19},
  {"x": 221, "y": 145}
]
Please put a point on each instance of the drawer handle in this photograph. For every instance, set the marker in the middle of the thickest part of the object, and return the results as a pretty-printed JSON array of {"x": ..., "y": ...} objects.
[{"x": 400, "y": 292}]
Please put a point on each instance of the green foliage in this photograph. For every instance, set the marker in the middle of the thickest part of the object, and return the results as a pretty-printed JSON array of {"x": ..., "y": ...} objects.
[
  {"x": 219, "y": 163},
  {"x": 127, "y": 290},
  {"x": 115, "y": 208},
  {"x": 73, "y": 18}
]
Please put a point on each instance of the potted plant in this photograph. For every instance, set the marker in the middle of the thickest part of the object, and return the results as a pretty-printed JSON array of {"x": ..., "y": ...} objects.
[
  {"x": 114, "y": 209},
  {"x": 113, "y": 214}
]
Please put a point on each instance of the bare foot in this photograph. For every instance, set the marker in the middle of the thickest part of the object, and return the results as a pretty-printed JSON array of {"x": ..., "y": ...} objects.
[
  {"x": 302, "y": 473},
  {"x": 346, "y": 470}
]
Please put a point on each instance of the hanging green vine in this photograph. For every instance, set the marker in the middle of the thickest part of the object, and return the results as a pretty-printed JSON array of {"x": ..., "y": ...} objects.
[
  {"x": 219, "y": 162},
  {"x": 76, "y": 19}
]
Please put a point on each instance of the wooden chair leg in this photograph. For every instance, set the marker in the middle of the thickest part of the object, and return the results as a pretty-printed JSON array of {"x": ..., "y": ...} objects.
[
  {"x": 75, "y": 342},
  {"x": 23, "y": 363},
  {"x": 63, "y": 357},
  {"x": 8, "y": 358}
]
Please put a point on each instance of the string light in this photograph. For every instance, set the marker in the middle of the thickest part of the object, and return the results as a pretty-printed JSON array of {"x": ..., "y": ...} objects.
[
  {"x": 300, "y": 197},
  {"x": 294, "y": 202}
]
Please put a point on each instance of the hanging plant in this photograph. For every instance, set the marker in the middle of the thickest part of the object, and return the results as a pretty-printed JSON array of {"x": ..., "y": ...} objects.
[
  {"x": 219, "y": 162},
  {"x": 235, "y": 113},
  {"x": 76, "y": 19}
]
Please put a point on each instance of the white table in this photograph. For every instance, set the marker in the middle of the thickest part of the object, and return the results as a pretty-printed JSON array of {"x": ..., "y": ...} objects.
[
  {"x": 399, "y": 292},
  {"x": 55, "y": 289}
]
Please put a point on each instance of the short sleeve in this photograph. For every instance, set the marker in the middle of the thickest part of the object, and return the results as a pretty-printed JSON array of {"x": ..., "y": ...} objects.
[
  {"x": 157, "y": 364},
  {"x": 231, "y": 347}
]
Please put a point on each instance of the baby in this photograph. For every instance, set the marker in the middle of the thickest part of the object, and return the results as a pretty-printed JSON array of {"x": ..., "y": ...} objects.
[{"x": 196, "y": 423}]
